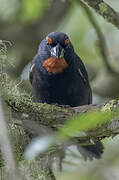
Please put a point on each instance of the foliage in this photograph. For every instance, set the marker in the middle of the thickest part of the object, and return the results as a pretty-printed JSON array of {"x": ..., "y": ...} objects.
[
  {"x": 23, "y": 15},
  {"x": 8, "y": 9},
  {"x": 33, "y": 9},
  {"x": 85, "y": 122}
]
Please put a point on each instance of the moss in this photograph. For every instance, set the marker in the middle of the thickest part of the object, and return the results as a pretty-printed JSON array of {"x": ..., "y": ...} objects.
[
  {"x": 110, "y": 106},
  {"x": 103, "y": 7}
]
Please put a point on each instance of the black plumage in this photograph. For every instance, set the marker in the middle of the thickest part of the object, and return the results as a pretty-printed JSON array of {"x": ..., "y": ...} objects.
[
  {"x": 58, "y": 75},
  {"x": 71, "y": 87}
]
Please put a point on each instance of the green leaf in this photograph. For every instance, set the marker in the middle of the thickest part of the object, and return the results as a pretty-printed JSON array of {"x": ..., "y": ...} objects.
[{"x": 85, "y": 122}]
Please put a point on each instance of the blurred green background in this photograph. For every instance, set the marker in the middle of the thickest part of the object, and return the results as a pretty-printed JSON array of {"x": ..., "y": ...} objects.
[{"x": 26, "y": 22}]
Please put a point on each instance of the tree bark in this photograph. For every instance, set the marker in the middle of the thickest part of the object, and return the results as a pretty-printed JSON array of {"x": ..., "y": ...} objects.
[
  {"x": 36, "y": 115},
  {"x": 104, "y": 10}
]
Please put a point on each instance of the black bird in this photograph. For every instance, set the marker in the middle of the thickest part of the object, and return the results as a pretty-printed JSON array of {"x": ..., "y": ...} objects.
[{"x": 58, "y": 76}]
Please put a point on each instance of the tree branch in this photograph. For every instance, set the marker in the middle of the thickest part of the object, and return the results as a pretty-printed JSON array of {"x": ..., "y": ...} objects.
[
  {"x": 49, "y": 115},
  {"x": 53, "y": 116},
  {"x": 105, "y": 11},
  {"x": 102, "y": 41}
]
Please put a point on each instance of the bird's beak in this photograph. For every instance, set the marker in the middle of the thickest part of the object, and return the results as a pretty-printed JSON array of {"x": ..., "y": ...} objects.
[{"x": 57, "y": 51}]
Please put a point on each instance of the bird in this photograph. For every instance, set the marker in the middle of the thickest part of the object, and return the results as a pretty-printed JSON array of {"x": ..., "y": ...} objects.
[{"x": 58, "y": 76}]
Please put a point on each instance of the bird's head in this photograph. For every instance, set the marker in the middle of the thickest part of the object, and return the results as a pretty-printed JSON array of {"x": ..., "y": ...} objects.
[{"x": 55, "y": 52}]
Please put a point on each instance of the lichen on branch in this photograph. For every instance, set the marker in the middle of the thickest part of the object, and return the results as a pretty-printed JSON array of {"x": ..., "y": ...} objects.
[
  {"x": 50, "y": 115},
  {"x": 105, "y": 10}
]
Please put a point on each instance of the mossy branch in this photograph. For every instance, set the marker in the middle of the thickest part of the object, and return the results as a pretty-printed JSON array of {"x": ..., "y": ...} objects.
[
  {"x": 54, "y": 116},
  {"x": 51, "y": 116},
  {"x": 106, "y": 11}
]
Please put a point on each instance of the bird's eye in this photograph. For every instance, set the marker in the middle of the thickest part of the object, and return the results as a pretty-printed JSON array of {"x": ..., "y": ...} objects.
[
  {"x": 67, "y": 41},
  {"x": 49, "y": 40}
]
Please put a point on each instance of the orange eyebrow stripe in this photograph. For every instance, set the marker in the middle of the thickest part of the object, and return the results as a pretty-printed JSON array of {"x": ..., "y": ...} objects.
[
  {"x": 67, "y": 41},
  {"x": 49, "y": 40}
]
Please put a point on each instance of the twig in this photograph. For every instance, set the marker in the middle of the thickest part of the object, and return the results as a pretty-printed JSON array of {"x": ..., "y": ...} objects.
[
  {"x": 6, "y": 149},
  {"x": 102, "y": 42},
  {"x": 49, "y": 115},
  {"x": 53, "y": 116},
  {"x": 105, "y": 11}
]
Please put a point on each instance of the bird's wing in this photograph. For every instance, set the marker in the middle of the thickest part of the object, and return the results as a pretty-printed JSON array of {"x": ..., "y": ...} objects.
[
  {"x": 32, "y": 69},
  {"x": 83, "y": 73},
  {"x": 81, "y": 68},
  {"x": 31, "y": 73}
]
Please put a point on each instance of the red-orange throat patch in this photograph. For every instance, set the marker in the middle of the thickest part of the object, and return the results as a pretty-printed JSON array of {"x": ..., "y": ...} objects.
[{"x": 54, "y": 65}]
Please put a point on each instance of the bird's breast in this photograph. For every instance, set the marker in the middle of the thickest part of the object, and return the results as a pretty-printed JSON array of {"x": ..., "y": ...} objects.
[{"x": 54, "y": 65}]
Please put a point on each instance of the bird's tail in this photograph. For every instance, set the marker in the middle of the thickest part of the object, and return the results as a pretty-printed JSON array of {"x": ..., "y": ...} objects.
[{"x": 91, "y": 151}]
